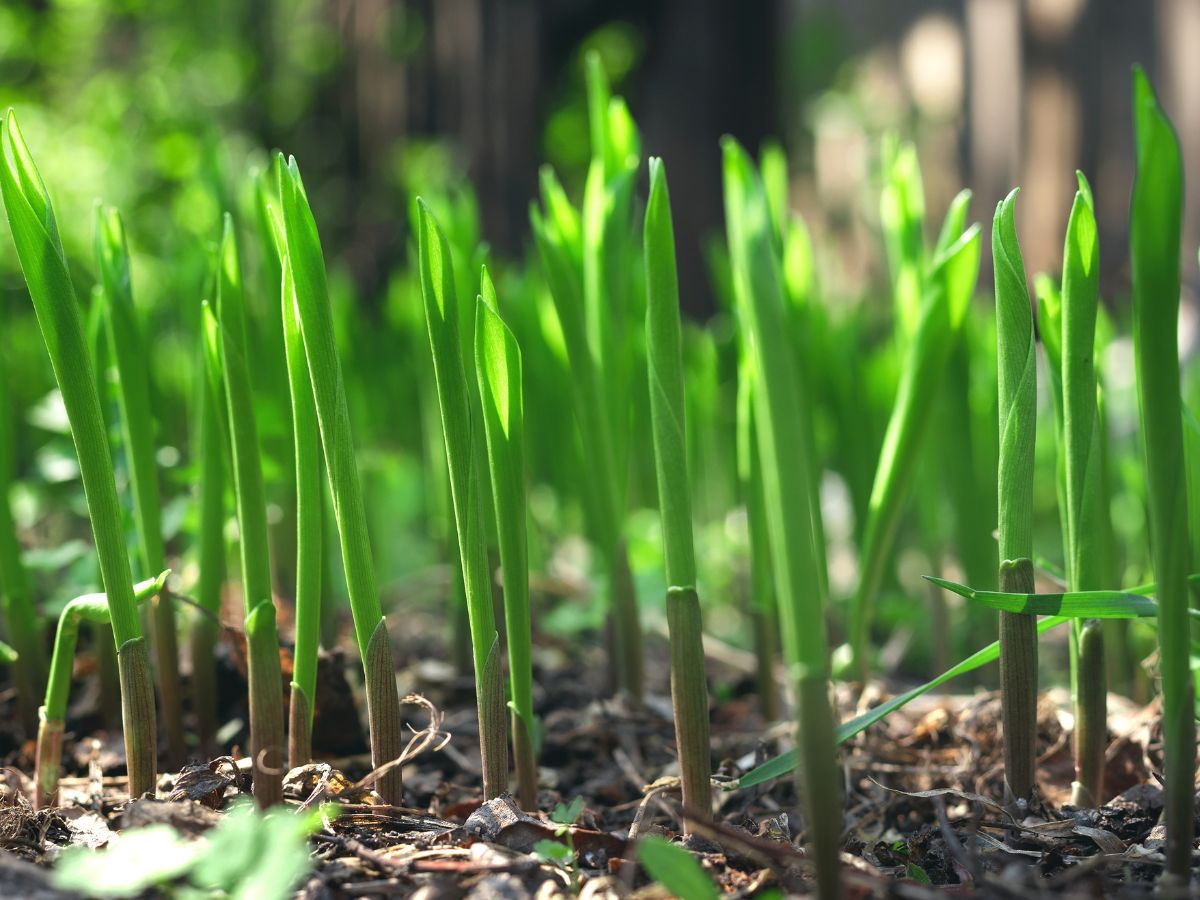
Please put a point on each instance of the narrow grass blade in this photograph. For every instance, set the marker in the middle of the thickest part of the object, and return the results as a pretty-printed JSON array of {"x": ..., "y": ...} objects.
[
  {"x": 1068, "y": 605},
  {"x": 786, "y": 762}
]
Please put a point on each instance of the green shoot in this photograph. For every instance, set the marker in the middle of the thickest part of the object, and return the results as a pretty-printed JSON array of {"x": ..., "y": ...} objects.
[
  {"x": 91, "y": 608},
  {"x": 137, "y": 429},
  {"x": 307, "y": 264},
  {"x": 39, "y": 248},
  {"x": 1017, "y": 389},
  {"x": 1085, "y": 497},
  {"x": 1154, "y": 236},
  {"x": 262, "y": 639},
  {"x": 460, "y": 432},
  {"x": 498, "y": 368},
  {"x": 210, "y": 451},
  {"x": 948, "y": 288},
  {"x": 689, "y": 687},
  {"x": 309, "y": 515},
  {"x": 789, "y": 504}
]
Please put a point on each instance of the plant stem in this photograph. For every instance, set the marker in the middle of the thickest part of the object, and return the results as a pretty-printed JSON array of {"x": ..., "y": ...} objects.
[
  {"x": 1084, "y": 490},
  {"x": 1017, "y": 390},
  {"x": 664, "y": 343},
  {"x": 211, "y": 453},
  {"x": 262, "y": 639},
  {"x": 1154, "y": 237},
  {"x": 787, "y": 488},
  {"x": 42, "y": 259},
  {"x": 309, "y": 515},
  {"x": 53, "y": 713},
  {"x": 500, "y": 374}
]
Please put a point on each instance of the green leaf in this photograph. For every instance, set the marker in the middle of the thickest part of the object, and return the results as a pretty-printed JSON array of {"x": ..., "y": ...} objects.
[
  {"x": 501, "y": 389},
  {"x": 676, "y": 869},
  {"x": 786, "y": 762},
  {"x": 1070, "y": 605},
  {"x": 567, "y": 813},
  {"x": 664, "y": 356}
]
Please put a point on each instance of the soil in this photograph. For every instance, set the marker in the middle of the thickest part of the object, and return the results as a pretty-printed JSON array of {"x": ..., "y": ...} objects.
[{"x": 921, "y": 788}]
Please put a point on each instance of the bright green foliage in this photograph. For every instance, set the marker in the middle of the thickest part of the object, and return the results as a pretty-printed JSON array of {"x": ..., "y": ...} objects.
[
  {"x": 1082, "y": 480},
  {"x": 948, "y": 288},
  {"x": 665, "y": 358},
  {"x": 1154, "y": 235},
  {"x": 501, "y": 390},
  {"x": 211, "y": 452},
  {"x": 35, "y": 233},
  {"x": 262, "y": 640},
  {"x": 902, "y": 215},
  {"x": 460, "y": 431},
  {"x": 557, "y": 231},
  {"x": 789, "y": 503},
  {"x": 664, "y": 352},
  {"x": 307, "y": 265},
  {"x": 137, "y": 429}
]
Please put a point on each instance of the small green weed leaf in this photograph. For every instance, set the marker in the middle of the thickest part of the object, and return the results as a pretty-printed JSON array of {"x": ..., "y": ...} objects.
[
  {"x": 676, "y": 869},
  {"x": 566, "y": 814},
  {"x": 553, "y": 851},
  {"x": 140, "y": 859}
]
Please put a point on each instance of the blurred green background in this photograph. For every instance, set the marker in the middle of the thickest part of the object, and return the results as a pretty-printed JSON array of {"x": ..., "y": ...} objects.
[{"x": 166, "y": 108}]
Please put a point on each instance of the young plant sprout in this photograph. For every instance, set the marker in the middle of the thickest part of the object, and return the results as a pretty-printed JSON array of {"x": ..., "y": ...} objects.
[
  {"x": 309, "y": 506},
  {"x": 1017, "y": 381},
  {"x": 35, "y": 232},
  {"x": 307, "y": 265},
  {"x": 1155, "y": 216},
  {"x": 28, "y": 665},
  {"x": 442, "y": 318},
  {"x": 1085, "y": 497},
  {"x": 586, "y": 254},
  {"x": 501, "y": 390},
  {"x": 211, "y": 452},
  {"x": 262, "y": 639},
  {"x": 689, "y": 687},
  {"x": 947, "y": 286},
  {"x": 53, "y": 714},
  {"x": 309, "y": 515},
  {"x": 789, "y": 510},
  {"x": 137, "y": 429}
]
